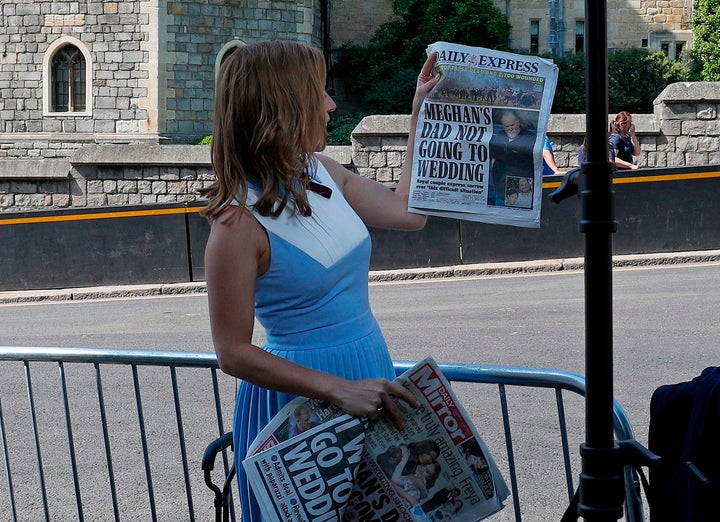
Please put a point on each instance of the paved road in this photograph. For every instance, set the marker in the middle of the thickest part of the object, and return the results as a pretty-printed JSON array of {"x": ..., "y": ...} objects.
[{"x": 665, "y": 330}]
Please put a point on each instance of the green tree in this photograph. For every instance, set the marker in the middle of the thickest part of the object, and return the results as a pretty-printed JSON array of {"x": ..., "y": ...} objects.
[
  {"x": 382, "y": 74},
  {"x": 340, "y": 128},
  {"x": 706, "y": 29},
  {"x": 635, "y": 78}
]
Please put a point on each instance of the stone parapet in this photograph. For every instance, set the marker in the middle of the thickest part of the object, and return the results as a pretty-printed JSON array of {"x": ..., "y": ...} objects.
[{"x": 96, "y": 170}]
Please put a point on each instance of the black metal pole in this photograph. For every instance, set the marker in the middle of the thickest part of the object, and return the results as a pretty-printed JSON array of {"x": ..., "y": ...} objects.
[{"x": 601, "y": 480}]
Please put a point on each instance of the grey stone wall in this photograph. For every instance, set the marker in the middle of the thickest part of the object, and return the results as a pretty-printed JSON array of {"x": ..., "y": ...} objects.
[
  {"x": 196, "y": 31},
  {"x": 684, "y": 130},
  {"x": 106, "y": 175},
  {"x": 152, "y": 64}
]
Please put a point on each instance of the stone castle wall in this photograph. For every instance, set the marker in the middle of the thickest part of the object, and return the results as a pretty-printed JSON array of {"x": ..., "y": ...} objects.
[
  {"x": 353, "y": 21},
  {"x": 629, "y": 22},
  {"x": 684, "y": 130},
  {"x": 195, "y": 32},
  {"x": 152, "y": 66}
]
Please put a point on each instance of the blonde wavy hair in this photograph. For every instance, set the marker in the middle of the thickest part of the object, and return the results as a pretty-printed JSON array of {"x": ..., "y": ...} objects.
[{"x": 269, "y": 120}]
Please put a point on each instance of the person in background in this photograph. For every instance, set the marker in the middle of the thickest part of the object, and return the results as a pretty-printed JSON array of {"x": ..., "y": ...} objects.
[
  {"x": 623, "y": 142},
  {"x": 582, "y": 153},
  {"x": 289, "y": 245},
  {"x": 549, "y": 166}
]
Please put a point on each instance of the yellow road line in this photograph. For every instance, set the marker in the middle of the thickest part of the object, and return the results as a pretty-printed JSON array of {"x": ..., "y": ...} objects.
[
  {"x": 98, "y": 215},
  {"x": 669, "y": 177},
  {"x": 647, "y": 179},
  {"x": 189, "y": 210}
]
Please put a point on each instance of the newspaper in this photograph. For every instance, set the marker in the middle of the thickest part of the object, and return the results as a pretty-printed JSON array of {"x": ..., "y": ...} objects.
[
  {"x": 480, "y": 135},
  {"x": 315, "y": 463}
]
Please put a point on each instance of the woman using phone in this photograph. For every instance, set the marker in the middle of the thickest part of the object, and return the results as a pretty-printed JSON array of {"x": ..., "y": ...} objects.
[{"x": 623, "y": 141}]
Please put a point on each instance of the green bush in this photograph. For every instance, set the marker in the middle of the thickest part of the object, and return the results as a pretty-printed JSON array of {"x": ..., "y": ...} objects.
[
  {"x": 205, "y": 140},
  {"x": 340, "y": 128}
]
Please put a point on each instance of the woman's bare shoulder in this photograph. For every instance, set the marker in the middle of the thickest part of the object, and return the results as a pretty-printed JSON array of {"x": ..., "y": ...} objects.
[{"x": 235, "y": 232}]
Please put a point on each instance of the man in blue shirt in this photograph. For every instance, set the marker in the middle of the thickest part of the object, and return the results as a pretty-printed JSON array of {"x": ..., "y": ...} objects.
[{"x": 549, "y": 165}]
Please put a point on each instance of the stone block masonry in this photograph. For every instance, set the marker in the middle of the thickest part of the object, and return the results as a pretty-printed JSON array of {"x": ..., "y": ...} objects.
[
  {"x": 151, "y": 66},
  {"x": 684, "y": 130}
]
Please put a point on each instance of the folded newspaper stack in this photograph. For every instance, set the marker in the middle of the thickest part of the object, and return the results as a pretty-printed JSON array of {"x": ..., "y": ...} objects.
[
  {"x": 313, "y": 463},
  {"x": 480, "y": 136}
]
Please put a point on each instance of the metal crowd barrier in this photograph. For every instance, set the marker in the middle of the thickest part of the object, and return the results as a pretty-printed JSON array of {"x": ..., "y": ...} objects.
[{"x": 96, "y": 434}]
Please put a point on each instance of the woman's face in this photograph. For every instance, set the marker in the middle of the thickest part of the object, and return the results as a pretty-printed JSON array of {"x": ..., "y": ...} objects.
[
  {"x": 303, "y": 421},
  {"x": 329, "y": 107},
  {"x": 427, "y": 457},
  {"x": 423, "y": 470},
  {"x": 426, "y": 470}
]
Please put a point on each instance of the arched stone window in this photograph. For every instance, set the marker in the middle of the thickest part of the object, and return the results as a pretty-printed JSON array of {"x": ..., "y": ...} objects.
[
  {"x": 67, "y": 75},
  {"x": 68, "y": 80}
]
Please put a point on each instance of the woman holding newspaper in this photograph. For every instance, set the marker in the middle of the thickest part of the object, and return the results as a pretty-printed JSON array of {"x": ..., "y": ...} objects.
[{"x": 289, "y": 244}]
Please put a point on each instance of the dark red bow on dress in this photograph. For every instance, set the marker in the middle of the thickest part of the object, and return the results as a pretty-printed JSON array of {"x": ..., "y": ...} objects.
[{"x": 324, "y": 191}]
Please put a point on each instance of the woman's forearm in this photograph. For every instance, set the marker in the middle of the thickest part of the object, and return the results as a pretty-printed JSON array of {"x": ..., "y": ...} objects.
[
  {"x": 625, "y": 164},
  {"x": 403, "y": 186}
]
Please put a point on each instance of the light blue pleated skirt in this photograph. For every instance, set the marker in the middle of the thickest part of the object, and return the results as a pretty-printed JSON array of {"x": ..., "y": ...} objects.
[{"x": 363, "y": 358}]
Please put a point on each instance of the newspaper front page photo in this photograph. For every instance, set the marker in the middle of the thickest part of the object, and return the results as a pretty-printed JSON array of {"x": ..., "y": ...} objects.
[{"x": 480, "y": 134}]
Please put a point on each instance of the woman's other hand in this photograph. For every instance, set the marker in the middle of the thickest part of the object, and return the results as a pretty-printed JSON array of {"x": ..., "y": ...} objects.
[{"x": 427, "y": 79}]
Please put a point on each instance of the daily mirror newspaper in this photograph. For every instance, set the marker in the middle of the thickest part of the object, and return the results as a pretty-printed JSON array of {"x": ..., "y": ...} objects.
[
  {"x": 315, "y": 463},
  {"x": 480, "y": 135}
]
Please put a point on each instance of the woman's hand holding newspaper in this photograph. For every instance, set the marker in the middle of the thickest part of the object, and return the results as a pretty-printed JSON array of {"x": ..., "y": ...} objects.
[{"x": 359, "y": 398}]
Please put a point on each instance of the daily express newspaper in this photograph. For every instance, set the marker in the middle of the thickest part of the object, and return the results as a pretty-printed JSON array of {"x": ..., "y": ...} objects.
[
  {"x": 480, "y": 135},
  {"x": 315, "y": 463}
]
